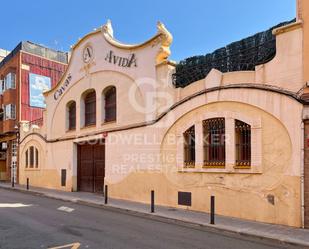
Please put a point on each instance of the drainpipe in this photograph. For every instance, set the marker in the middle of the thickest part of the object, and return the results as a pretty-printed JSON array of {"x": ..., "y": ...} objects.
[{"x": 302, "y": 174}]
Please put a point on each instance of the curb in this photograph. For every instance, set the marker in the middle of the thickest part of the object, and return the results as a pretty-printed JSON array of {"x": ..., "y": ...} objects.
[{"x": 165, "y": 219}]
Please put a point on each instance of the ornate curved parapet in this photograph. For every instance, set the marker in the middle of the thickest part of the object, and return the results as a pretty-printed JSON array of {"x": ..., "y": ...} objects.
[
  {"x": 163, "y": 36},
  {"x": 166, "y": 41}
]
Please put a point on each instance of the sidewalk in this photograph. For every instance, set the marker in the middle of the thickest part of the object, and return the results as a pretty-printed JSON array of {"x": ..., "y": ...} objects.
[{"x": 262, "y": 230}]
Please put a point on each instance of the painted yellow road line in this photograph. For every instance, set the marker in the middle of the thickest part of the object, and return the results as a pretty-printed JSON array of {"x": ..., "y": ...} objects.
[{"x": 70, "y": 246}]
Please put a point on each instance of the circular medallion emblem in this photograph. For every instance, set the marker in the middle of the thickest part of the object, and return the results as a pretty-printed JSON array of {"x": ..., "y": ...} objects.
[{"x": 87, "y": 54}]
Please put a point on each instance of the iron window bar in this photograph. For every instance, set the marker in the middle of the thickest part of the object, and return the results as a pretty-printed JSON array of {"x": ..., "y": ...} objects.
[
  {"x": 243, "y": 144},
  {"x": 90, "y": 109},
  {"x": 214, "y": 143},
  {"x": 189, "y": 148},
  {"x": 110, "y": 105},
  {"x": 72, "y": 116}
]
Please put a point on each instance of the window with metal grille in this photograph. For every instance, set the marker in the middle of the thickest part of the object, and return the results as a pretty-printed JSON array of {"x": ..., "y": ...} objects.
[
  {"x": 31, "y": 152},
  {"x": 27, "y": 158},
  {"x": 90, "y": 108},
  {"x": 72, "y": 115},
  {"x": 243, "y": 144},
  {"x": 110, "y": 104},
  {"x": 36, "y": 158},
  {"x": 214, "y": 142},
  {"x": 189, "y": 147}
]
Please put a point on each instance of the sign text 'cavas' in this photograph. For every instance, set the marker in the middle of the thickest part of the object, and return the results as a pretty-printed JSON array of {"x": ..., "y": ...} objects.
[{"x": 64, "y": 86}]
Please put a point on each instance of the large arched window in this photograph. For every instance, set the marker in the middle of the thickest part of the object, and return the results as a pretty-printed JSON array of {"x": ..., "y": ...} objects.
[
  {"x": 110, "y": 104},
  {"x": 32, "y": 158},
  {"x": 243, "y": 144},
  {"x": 27, "y": 159},
  {"x": 189, "y": 147},
  {"x": 71, "y": 112},
  {"x": 214, "y": 142},
  {"x": 90, "y": 108}
]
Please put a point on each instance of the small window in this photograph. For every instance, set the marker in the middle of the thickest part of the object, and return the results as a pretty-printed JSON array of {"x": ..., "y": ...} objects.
[
  {"x": 10, "y": 81},
  {"x": 90, "y": 108},
  {"x": 110, "y": 105},
  {"x": 1, "y": 114},
  {"x": 27, "y": 158},
  {"x": 72, "y": 115},
  {"x": 2, "y": 86},
  {"x": 36, "y": 158},
  {"x": 214, "y": 142},
  {"x": 243, "y": 144},
  {"x": 189, "y": 147},
  {"x": 31, "y": 151},
  {"x": 9, "y": 111}
]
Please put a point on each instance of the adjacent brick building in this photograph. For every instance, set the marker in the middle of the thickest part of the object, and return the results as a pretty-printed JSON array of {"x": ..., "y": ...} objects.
[
  {"x": 24, "y": 74},
  {"x": 3, "y": 54}
]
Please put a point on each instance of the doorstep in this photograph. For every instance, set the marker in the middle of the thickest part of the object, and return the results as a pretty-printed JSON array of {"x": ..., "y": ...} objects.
[{"x": 285, "y": 234}]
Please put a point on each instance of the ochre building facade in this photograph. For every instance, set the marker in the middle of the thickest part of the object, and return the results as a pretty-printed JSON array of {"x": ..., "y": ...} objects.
[{"x": 118, "y": 118}]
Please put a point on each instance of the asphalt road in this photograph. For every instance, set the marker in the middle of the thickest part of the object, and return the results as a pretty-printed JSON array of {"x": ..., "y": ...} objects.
[{"x": 43, "y": 225}]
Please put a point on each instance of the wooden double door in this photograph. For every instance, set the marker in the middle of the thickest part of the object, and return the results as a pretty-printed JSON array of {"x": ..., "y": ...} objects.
[{"x": 91, "y": 167}]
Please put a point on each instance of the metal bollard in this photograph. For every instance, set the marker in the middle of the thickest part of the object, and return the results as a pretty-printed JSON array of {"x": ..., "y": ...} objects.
[
  {"x": 106, "y": 195},
  {"x": 152, "y": 202},
  {"x": 212, "y": 210},
  {"x": 13, "y": 182},
  {"x": 27, "y": 183}
]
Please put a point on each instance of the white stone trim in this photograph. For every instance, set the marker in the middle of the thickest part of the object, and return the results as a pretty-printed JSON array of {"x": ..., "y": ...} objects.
[
  {"x": 256, "y": 149},
  {"x": 99, "y": 117},
  {"x": 199, "y": 151},
  {"x": 180, "y": 151},
  {"x": 230, "y": 156}
]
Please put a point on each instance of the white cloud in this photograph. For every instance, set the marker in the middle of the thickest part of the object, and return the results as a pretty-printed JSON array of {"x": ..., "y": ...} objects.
[{"x": 40, "y": 84}]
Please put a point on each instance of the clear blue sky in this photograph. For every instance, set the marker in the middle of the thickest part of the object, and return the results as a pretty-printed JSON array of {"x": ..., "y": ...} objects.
[{"x": 198, "y": 26}]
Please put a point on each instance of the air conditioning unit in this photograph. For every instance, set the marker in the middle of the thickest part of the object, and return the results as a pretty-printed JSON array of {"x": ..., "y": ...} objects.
[{"x": 2, "y": 155}]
